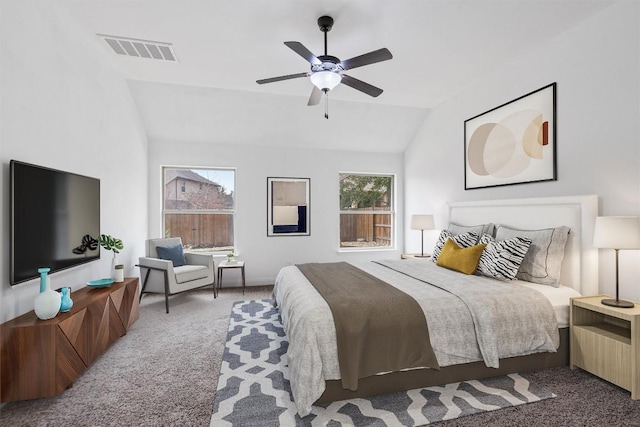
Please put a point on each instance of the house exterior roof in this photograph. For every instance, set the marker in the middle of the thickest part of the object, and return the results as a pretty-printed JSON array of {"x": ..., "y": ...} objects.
[{"x": 172, "y": 174}]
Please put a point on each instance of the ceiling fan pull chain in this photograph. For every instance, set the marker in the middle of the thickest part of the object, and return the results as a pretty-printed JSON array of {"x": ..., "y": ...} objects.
[{"x": 326, "y": 104}]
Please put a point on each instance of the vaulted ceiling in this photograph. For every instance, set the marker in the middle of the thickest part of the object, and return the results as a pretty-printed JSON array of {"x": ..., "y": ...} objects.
[{"x": 439, "y": 47}]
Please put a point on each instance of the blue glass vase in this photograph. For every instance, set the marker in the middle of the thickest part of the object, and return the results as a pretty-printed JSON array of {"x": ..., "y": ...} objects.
[
  {"x": 65, "y": 302},
  {"x": 43, "y": 278}
]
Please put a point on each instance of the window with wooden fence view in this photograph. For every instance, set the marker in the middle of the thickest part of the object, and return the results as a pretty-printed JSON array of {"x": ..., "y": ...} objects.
[
  {"x": 366, "y": 211},
  {"x": 199, "y": 207}
]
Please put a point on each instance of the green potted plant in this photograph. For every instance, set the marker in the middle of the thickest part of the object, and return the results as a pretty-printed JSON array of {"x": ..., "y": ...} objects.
[
  {"x": 111, "y": 243},
  {"x": 230, "y": 259}
]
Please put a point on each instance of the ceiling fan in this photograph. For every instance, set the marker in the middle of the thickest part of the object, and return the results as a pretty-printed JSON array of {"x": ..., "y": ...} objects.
[{"x": 327, "y": 71}]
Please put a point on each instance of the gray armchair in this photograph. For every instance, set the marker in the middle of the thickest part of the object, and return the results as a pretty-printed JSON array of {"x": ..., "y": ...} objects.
[{"x": 161, "y": 276}]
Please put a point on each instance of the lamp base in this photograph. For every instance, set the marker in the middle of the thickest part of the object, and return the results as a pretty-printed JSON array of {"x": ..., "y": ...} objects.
[
  {"x": 422, "y": 256},
  {"x": 617, "y": 303}
]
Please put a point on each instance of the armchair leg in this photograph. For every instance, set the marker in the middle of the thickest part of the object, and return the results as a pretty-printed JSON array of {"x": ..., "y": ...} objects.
[
  {"x": 166, "y": 284},
  {"x": 166, "y": 291},
  {"x": 144, "y": 283}
]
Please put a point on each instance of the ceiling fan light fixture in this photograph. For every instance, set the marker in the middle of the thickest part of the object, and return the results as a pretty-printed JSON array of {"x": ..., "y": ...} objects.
[{"x": 325, "y": 80}]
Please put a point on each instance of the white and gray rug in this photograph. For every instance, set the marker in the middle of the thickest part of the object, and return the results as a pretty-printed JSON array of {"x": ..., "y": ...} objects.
[{"x": 254, "y": 390}]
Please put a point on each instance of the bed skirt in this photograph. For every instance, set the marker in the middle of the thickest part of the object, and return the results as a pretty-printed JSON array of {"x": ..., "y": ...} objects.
[{"x": 419, "y": 378}]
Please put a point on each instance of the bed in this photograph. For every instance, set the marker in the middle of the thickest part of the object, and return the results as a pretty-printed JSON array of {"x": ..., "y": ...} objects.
[{"x": 314, "y": 369}]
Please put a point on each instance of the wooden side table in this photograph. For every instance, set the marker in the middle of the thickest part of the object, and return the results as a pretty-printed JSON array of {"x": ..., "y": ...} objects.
[
  {"x": 605, "y": 341},
  {"x": 227, "y": 265}
]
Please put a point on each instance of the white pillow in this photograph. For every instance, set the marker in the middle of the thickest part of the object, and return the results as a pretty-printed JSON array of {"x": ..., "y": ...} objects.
[
  {"x": 502, "y": 259},
  {"x": 463, "y": 240},
  {"x": 544, "y": 258}
]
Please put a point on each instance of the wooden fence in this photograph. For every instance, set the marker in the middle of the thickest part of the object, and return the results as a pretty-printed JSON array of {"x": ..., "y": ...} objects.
[
  {"x": 216, "y": 231},
  {"x": 366, "y": 228},
  {"x": 201, "y": 231}
]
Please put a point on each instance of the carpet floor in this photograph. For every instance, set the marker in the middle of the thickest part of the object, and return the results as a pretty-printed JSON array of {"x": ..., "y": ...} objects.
[{"x": 164, "y": 372}]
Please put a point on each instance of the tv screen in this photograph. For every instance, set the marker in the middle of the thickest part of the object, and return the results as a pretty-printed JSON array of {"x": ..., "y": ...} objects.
[{"x": 55, "y": 220}]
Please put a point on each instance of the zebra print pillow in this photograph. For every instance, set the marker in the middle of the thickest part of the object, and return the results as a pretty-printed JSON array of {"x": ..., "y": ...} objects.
[
  {"x": 502, "y": 259},
  {"x": 479, "y": 229},
  {"x": 463, "y": 240}
]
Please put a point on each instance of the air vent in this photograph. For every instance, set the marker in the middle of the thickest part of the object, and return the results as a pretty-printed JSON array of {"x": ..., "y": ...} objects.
[{"x": 140, "y": 48}]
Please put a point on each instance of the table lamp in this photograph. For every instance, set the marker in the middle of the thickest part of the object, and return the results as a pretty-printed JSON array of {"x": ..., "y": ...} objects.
[
  {"x": 617, "y": 232},
  {"x": 422, "y": 222}
]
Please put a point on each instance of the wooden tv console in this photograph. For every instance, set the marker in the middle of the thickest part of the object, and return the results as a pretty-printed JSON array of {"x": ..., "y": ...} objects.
[{"x": 41, "y": 358}]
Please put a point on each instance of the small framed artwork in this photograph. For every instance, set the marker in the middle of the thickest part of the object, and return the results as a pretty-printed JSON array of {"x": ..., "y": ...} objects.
[
  {"x": 513, "y": 143},
  {"x": 288, "y": 206}
]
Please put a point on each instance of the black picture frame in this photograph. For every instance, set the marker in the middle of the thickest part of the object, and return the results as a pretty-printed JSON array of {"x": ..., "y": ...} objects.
[
  {"x": 513, "y": 143},
  {"x": 288, "y": 206}
]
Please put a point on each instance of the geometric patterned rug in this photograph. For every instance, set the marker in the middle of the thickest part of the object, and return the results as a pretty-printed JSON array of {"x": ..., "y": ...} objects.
[{"x": 253, "y": 387}]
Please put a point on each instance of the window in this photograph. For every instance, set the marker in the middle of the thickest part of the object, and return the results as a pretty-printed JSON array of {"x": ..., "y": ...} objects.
[
  {"x": 366, "y": 211},
  {"x": 199, "y": 207}
]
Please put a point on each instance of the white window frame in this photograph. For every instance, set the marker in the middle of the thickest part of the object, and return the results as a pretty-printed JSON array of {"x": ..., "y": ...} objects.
[
  {"x": 233, "y": 211},
  {"x": 392, "y": 212}
]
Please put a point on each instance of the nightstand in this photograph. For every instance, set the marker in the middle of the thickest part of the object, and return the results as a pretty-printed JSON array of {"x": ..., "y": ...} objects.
[
  {"x": 416, "y": 256},
  {"x": 605, "y": 341}
]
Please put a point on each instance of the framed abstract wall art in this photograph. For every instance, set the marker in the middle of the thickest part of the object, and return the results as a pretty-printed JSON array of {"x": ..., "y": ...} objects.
[
  {"x": 288, "y": 206},
  {"x": 513, "y": 143}
]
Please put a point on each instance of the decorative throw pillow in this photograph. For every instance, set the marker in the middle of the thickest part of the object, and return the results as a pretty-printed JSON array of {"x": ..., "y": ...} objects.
[
  {"x": 544, "y": 258},
  {"x": 502, "y": 259},
  {"x": 463, "y": 260},
  {"x": 175, "y": 254},
  {"x": 480, "y": 229},
  {"x": 463, "y": 240}
]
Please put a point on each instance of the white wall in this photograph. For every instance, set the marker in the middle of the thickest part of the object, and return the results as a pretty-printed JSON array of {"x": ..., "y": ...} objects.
[
  {"x": 264, "y": 256},
  {"x": 63, "y": 106},
  {"x": 597, "y": 68}
]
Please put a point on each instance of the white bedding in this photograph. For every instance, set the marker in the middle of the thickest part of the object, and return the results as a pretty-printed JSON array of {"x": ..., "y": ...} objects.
[
  {"x": 559, "y": 298},
  {"x": 312, "y": 344}
]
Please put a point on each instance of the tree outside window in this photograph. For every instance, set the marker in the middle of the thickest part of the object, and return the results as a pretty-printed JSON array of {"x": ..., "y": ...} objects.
[
  {"x": 366, "y": 211},
  {"x": 199, "y": 207}
]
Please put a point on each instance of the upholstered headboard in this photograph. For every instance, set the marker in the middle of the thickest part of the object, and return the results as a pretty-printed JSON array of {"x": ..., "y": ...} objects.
[{"x": 580, "y": 263}]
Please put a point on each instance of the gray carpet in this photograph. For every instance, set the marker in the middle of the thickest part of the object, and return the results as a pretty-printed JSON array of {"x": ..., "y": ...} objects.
[
  {"x": 164, "y": 373},
  {"x": 254, "y": 387}
]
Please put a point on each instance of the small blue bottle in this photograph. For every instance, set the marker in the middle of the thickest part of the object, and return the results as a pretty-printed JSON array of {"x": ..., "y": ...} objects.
[{"x": 65, "y": 302}]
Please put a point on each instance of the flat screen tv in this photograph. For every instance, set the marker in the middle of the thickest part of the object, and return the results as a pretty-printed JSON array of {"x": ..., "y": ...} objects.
[{"x": 55, "y": 220}]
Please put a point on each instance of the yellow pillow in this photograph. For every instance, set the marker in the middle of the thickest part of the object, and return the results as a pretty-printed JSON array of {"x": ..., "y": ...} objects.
[{"x": 464, "y": 260}]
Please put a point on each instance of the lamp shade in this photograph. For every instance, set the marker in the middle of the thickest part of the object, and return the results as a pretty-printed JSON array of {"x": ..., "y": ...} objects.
[
  {"x": 617, "y": 232},
  {"x": 422, "y": 222},
  {"x": 325, "y": 79}
]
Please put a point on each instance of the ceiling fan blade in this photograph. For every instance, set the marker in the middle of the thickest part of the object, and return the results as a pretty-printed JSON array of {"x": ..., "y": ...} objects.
[
  {"x": 280, "y": 78},
  {"x": 361, "y": 86},
  {"x": 316, "y": 94},
  {"x": 366, "y": 59},
  {"x": 299, "y": 48}
]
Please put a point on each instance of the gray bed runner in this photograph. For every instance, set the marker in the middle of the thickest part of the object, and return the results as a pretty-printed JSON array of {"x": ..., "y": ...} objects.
[{"x": 376, "y": 323}]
